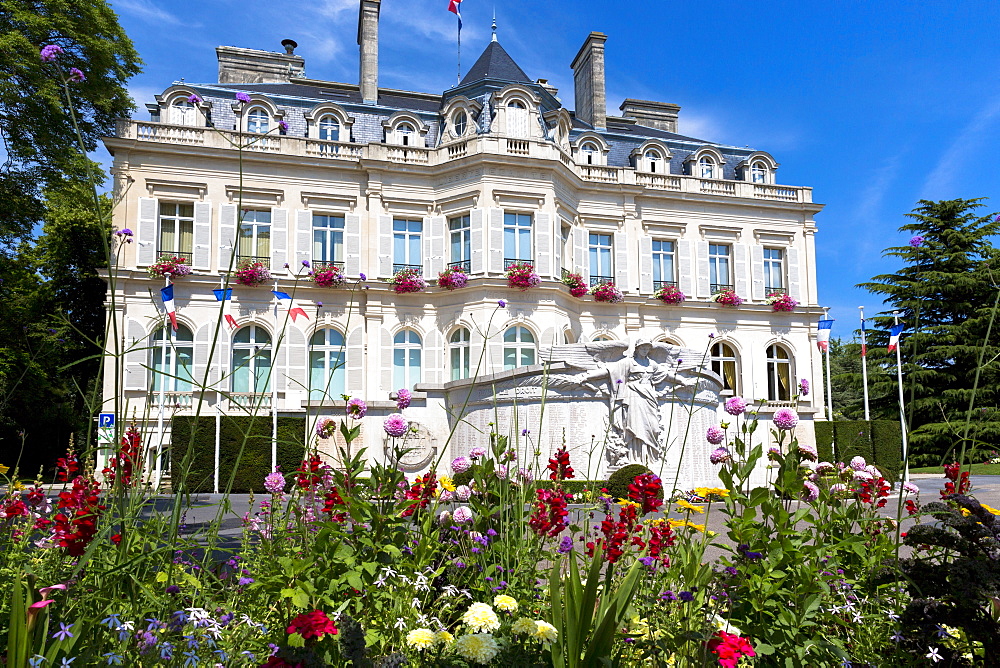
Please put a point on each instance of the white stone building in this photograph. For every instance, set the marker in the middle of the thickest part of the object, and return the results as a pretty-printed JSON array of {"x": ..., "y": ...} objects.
[{"x": 492, "y": 171}]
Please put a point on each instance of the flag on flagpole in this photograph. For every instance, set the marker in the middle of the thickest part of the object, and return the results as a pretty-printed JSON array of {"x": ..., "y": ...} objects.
[
  {"x": 864, "y": 341},
  {"x": 823, "y": 337},
  {"x": 167, "y": 295},
  {"x": 226, "y": 297},
  {"x": 894, "y": 336},
  {"x": 454, "y": 6},
  {"x": 286, "y": 300}
]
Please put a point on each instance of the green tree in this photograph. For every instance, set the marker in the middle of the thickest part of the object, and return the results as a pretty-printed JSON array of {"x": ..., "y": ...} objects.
[{"x": 944, "y": 294}]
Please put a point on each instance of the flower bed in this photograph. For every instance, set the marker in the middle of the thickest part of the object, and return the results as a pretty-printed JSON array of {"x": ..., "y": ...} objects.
[
  {"x": 408, "y": 280},
  {"x": 252, "y": 273},
  {"x": 169, "y": 264},
  {"x": 727, "y": 298},
  {"x": 328, "y": 276},
  {"x": 781, "y": 301},
  {"x": 522, "y": 276},
  {"x": 577, "y": 286},
  {"x": 670, "y": 294},
  {"x": 608, "y": 293},
  {"x": 452, "y": 279}
]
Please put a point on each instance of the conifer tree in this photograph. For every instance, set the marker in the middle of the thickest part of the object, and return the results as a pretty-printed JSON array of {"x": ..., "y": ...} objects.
[{"x": 945, "y": 294}]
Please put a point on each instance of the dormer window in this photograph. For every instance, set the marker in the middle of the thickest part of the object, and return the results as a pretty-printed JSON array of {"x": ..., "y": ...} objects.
[
  {"x": 654, "y": 162},
  {"x": 461, "y": 123},
  {"x": 258, "y": 120},
  {"x": 758, "y": 172},
  {"x": 590, "y": 153},
  {"x": 404, "y": 131},
  {"x": 329, "y": 128},
  {"x": 182, "y": 112},
  {"x": 517, "y": 119},
  {"x": 707, "y": 167}
]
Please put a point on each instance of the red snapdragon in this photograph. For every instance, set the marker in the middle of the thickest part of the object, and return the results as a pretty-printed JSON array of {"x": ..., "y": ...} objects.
[
  {"x": 549, "y": 517},
  {"x": 729, "y": 647},
  {"x": 645, "y": 490},
  {"x": 559, "y": 465}
]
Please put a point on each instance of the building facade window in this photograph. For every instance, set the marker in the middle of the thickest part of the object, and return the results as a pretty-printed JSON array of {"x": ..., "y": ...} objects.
[
  {"x": 517, "y": 119},
  {"x": 707, "y": 167},
  {"x": 176, "y": 229},
  {"x": 720, "y": 275},
  {"x": 518, "y": 348},
  {"x": 663, "y": 264},
  {"x": 404, "y": 132},
  {"x": 460, "y": 239},
  {"x": 516, "y": 238},
  {"x": 327, "y": 365},
  {"x": 254, "y": 241},
  {"x": 406, "y": 354},
  {"x": 172, "y": 359},
  {"x": 589, "y": 153},
  {"x": 758, "y": 172},
  {"x": 328, "y": 241},
  {"x": 329, "y": 128},
  {"x": 406, "y": 238},
  {"x": 182, "y": 112},
  {"x": 600, "y": 259},
  {"x": 461, "y": 123},
  {"x": 258, "y": 120},
  {"x": 654, "y": 162},
  {"x": 779, "y": 374},
  {"x": 726, "y": 364},
  {"x": 251, "y": 371},
  {"x": 774, "y": 270},
  {"x": 459, "y": 354}
]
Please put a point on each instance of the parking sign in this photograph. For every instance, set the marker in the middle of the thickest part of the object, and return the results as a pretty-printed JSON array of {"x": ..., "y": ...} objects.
[{"x": 106, "y": 420}]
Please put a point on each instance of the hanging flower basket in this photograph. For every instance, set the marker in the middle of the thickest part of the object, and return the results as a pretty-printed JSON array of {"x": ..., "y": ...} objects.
[
  {"x": 608, "y": 293},
  {"x": 727, "y": 298},
  {"x": 452, "y": 279},
  {"x": 670, "y": 294},
  {"x": 575, "y": 283},
  {"x": 252, "y": 273},
  {"x": 170, "y": 264},
  {"x": 522, "y": 276},
  {"x": 328, "y": 276},
  {"x": 781, "y": 301},
  {"x": 408, "y": 280}
]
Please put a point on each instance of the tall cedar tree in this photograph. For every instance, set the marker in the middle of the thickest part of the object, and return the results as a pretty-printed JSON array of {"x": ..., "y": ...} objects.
[
  {"x": 944, "y": 294},
  {"x": 846, "y": 382}
]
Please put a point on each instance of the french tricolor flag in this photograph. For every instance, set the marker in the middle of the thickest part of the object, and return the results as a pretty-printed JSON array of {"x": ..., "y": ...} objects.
[
  {"x": 167, "y": 295},
  {"x": 455, "y": 7},
  {"x": 894, "y": 333},
  {"x": 823, "y": 336},
  {"x": 226, "y": 297},
  {"x": 864, "y": 341},
  {"x": 286, "y": 300}
]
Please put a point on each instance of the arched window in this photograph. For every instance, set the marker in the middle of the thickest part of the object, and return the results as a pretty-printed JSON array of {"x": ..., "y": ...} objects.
[
  {"x": 461, "y": 123},
  {"x": 654, "y": 162},
  {"x": 182, "y": 112},
  {"x": 603, "y": 337},
  {"x": 327, "y": 362},
  {"x": 258, "y": 120},
  {"x": 406, "y": 359},
  {"x": 706, "y": 166},
  {"x": 589, "y": 153},
  {"x": 779, "y": 374},
  {"x": 725, "y": 363},
  {"x": 251, "y": 360},
  {"x": 172, "y": 359},
  {"x": 518, "y": 348},
  {"x": 459, "y": 353},
  {"x": 517, "y": 119},
  {"x": 758, "y": 172},
  {"x": 403, "y": 131},
  {"x": 329, "y": 128}
]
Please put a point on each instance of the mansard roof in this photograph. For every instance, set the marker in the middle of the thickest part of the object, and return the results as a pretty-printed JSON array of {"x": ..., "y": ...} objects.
[{"x": 495, "y": 63}]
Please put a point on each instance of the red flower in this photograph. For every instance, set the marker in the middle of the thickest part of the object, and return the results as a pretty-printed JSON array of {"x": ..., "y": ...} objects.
[
  {"x": 874, "y": 492},
  {"x": 645, "y": 490},
  {"x": 310, "y": 472},
  {"x": 332, "y": 500},
  {"x": 313, "y": 624},
  {"x": 422, "y": 491},
  {"x": 549, "y": 518},
  {"x": 729, "y": 647},
  {"x": 67, "y": 467},
  {"x": 951, "y": 473},
  {"x": 559, "y": 465},
  {"x": 127, "y": 459}
]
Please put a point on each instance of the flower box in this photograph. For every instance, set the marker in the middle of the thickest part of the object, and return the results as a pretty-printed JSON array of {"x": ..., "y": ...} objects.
[
  {"x": 452, "y": 279},
  {"x": 170, "y": 264},
  {"x": 522, "y": 276},
  {"x": 781, "y": 301},
  {"x": 608, "y": 293},
  {"x": 328, "y": 276},
  {"x": 727, "y": 298},
  {"x": 670, "y": 294},
  {"x": 408, "y": 280},
  {"x": 252, "y": 273},
  {"x": 577, "y": 287}
]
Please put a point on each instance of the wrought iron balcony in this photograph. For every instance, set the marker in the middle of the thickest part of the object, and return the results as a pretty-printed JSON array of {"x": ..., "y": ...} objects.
[
  {"x": 327, "y": 266},
  {"x": 662, "y": 284},
  {"x": 396, "y": 268},
  {"x": 722, "y": 287},
  {"x": 263, "y": 259},
  {"x": 509, "y": 261},
  {"x": 464, "y": 266},
  {"x": 775, "y": 291},
  {"x": 187, "y": 255},
  {"x": 597, "y": 280}
]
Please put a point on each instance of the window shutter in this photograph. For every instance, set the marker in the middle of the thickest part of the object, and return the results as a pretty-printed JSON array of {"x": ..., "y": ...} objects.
[
  {"x": 437, "y": 233},
  {"x": 477, "y": 237},
  {"x": 352, "y": 244},
  {"x": 432, "y": 368},
  {"x": 387, "y": 352},
  {"x": 303, "y": 236},
  {"x": 202, "y": 349},
  {"x": 355, "y": 352},
  {"x": 202, "y": 236},
  {"x": 557, "y": 248},
  {"x": 646, "y": 264},
  {"x": 295, "y": 351},
  {"x": 701, "y": 262},
  {"x": 757, "y": 270},
  {"x": 227, "y": 237},
  {"x": 427, "y": 248},
  {"x": 279, "y": 241},
  {"x": 621, "y": 261},
  {"x": 496, "y": 241},
  {"x": 137, "y": 356},
  {"x": 146, "y": 232},
  {"x": 385, "y": 258},
  {"x": 793, "y": 274},
  {"x": 580, "y": 253},
  {"x": 740, "y": 270},
  {"x": 543, "y": 244},
  {"x": 685, "y": 267}
]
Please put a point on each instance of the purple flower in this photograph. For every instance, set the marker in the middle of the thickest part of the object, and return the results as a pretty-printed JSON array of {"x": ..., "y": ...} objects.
[
  {"x": 363, "y": 277},
  {"x": 526, "y": 475},
  {"x": 49, "y": 52},
  {"x": 403, "y": 398},
  {"x": 714, "y": 435},
  {"x": 463, "y": 492},
  {"x": 395, "y": 425},
  {"x": 565, "y": 545},
  {"x": 326, "y": 428},
  {"x": 668, "y": 596},
  {"x": 686, "y": 596},
  {"x": 126, "y": 232},
  {"x": 242, "y": 97},
  {"x": 477, "y": 452},
  {"x": 244, "y": 581},
  {"x": 274, "y": 483},
  {"x": 460, "y": 464},
  {"x": 283, "y": 125},
  {"x": 462, "y": 515},
  {"x": 356, "y": 408},
  {"x": 173, "y": 589},
  {"x": 916, "y": 241},
  {"x": 64, "y": 632},
  {"x": 804, "y": 387},
  {"x": 525, "y": 432},
  {"x": 502, "y": 303},
  {"x": 785, "y": 418},
  {"x": 720, "y": 456},
  {"x": 910, "y": 488},
  {"x": 810, "y": 492},
  {"x": 76, "y": 75},
  {"x": 736, "y": 406},
  {"x": 647, "y": 561},
  {"x": 808, "y": 451},
  {"x": 194, "y": 99},
  {"x": 319, "y": 304},
  {"x": 305, "y": 263}
]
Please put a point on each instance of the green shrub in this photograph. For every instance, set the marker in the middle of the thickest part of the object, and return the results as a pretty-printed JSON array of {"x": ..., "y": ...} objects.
[
  {"x": 572, "y": 486},
  {"x": 852, "y": 438},
  {"x": 887, "y": 447},
  {"x": 824, "y": 441},
  {"x": 619, "y": 481},
  {"x": 465, "y": 477}
]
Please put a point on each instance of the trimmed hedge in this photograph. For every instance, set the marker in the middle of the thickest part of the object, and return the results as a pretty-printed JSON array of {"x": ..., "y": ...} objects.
[
  {"x": 853, "y": 438},
  {"x": 572, "y": 486},
  {"x": 887, "y": 442},
  {"x": 244, "y": 445},
  {"x": 880, "y": 442},
  {"x": 824, "y": 441},
  {"x": 619, "y": 481}
]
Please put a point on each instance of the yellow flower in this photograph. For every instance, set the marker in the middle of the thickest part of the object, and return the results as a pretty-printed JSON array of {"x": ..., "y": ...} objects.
[
  {"x": 626, "y": 502},
  {"x": 444, "y": 638},
  {"x": 994, "y": 511},
  {"x": 681, "y": 503},
  {"x": 479, "y": 647},
  {"x": 18, "y": 485},
  {"x": 4, "y": 469},
  {"x": 684, "y": 523},
  {"x": 447, "y": 483},
  {"x": 505, "y": 603},
  {"x": 420, "y": 639},
  {"x": 523, "y": 626},
  {"x": 545, "y": 632},
  {"x": 706, "y": 492},
  {"x": 481, "y": 617}
]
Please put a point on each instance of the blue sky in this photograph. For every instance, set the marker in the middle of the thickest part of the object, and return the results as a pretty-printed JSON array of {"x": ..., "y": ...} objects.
[{"x": 873, "y": 104}]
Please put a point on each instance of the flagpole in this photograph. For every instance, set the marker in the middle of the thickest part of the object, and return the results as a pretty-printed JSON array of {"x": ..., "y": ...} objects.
[
  {"x": 274, "y": 390},
  {"x": 163, "y": 382},
  {"x": 902, "y": 412},
  {"x": 829, "y": 390},
  {"x": 864, "y": 361},
  {"x": 458, "y": 79}
]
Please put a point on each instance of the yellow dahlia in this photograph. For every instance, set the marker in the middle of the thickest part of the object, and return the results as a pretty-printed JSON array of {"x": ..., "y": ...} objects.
[
  {"x": 545, "y": 632},
  {"x": 478, "y": 647},
  {"x": 444, "y": 638},
  {"x": 420, "y": 638},
  {"x": 481, "y": 617},
  {"x": 523, "y": 625},
  {"x": 505, "y": 603}
]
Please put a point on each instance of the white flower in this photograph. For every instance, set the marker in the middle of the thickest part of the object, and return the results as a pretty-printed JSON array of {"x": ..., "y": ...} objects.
[
  {"x": 933, "y": 655},
  {"x": 400, "y": 623}
]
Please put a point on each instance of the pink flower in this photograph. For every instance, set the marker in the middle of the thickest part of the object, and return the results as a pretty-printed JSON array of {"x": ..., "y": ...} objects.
[
  {"x": 720, "y": 456},
  {"x": 477, "y": 452},
  {"x": 714, "y": 435},
  {"x": 460, "y": 464},
  {"x": 326, "y": 428},
  {"x": 859, "y": 463},
  {"x": 462, "y": 515},
  {"x": 395, "y": 425},
  {"x": 804, "y": 387},
  {"x": 736, "y": 406},
  {"x": 808, "y": 451},
  {"x": 49, "y": 53},
  {"x": 463, "y": 492},
  {"x": 403, "y": 397},
  {"x": 356, "y": 408},
  {"x": 910, "y": 488},
  {"x": 274, "y": 483},
  {"x": 785, "y": 418},
  {"x": 76, "y": 75},
  {"x": 810, "y": 492}
]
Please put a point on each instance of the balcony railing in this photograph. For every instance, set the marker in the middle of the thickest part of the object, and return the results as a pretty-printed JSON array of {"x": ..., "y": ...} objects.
[
  {"x": 396, "y": 268},
  {"x": 327, "y": 266},
  {"x": 775, "y": 291},
  {"x": 174, "y": 400},
  {"x": 250, "y": 401},
  {"x": 465, "y": 266},
  {"x": 184, "y": 254},
  {"x": 263, "y": 259},
  {"x": 662, "y": 284},
  {"x": 508, "y": 262},
  {"x": 721, "y": 287},
  {"x": 597, "y": 280}
]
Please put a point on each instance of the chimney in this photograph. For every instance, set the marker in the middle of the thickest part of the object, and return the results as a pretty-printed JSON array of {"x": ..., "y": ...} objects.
[
  {"x": 659, "y": 115},
  {"x": 246, "y": 66},
  {"x": 588, "y": 80},
  {"x": 368, "y": 43}
]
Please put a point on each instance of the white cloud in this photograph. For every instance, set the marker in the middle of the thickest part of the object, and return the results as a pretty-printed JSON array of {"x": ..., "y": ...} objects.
[
  {"x": 145, "y": 10},
  {"x": 947, "y": 171}
]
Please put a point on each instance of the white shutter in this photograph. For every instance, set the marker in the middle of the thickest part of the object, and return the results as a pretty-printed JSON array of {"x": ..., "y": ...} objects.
[
  {"x": 385, "y": 258},
  {"x": 296, "y": 351},
  {"x": 496, "y": 250},
  {"x": 557, "y": 248},
  {"x": 427, "y": 248},
  {"x": 387, "y": 352},
  {"x": 137, "y": 356},
  {"x": 685, "y": 267},
  {"x": 477, "y": 236},
  {"x": 202, "y": 236},
  {"x": 202, "y": 349},
  {"x": 793, "y": 274},
  {"x": 303, "y": 236},
  {"x": 355, "y": 353},
  {"x": 279, "y": 241},
  {"x": 703, "y": 275},
  {"x": 146, "y": 231},
  {"x": 438, "y": 234},
  {"x": 227, "y": 237},
  {"x": 580, "y": 253},
  {"x": 621, "y": 261},
  {"x": 352, "y": 244},
  {"x": 646, "y": 264},
  {"x": 544, "y": 266},
  {"x": 433, "y": 366},
  {"x": 757, "y": 271},
  {"x": 740, "y": 270}
]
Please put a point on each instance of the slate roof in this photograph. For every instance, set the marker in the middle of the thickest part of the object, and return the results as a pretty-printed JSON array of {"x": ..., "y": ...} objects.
[
  {"x": 327, "y": 94},
  {"x": 495, "y": 63}
]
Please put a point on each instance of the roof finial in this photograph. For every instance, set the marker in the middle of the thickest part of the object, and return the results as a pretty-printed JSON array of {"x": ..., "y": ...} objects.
[{"x": 494, "y": 24}]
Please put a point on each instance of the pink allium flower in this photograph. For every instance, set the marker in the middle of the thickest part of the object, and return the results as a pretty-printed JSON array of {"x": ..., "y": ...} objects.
[
  {"x": 502, "y": 472},
  {"x": 477, "y": 452},
  {"x": 462, "y": 515},
  {"x": 839, "y": 488},
  {"x": 720, "y": 456},
  {"x": 714, "y": 435},
  {"x": 804, "y": 387},
  {"x": 49, "y": 52},
  {"x": 356, "y": 408},
  {"x": 403, "y": 397},
  {"x": 808, "y": 451},
  {"x": 395, "y": 425},
  {"x": 461, "y": 464},
  {"x": 736, "y": 406},
  {"x": 810, "y": 491},
  {"x": 785, "y": 418},
  {"x": 274, "y": 483},
  {"x": 463, "y": 492},
  {"x": 910, "y": 488},
  {"x": 242, "y": 97},
  {"x": 525, "y": 474},
  {"x": 76, "y": 75},
  {"x": 859, "y": 463}
]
